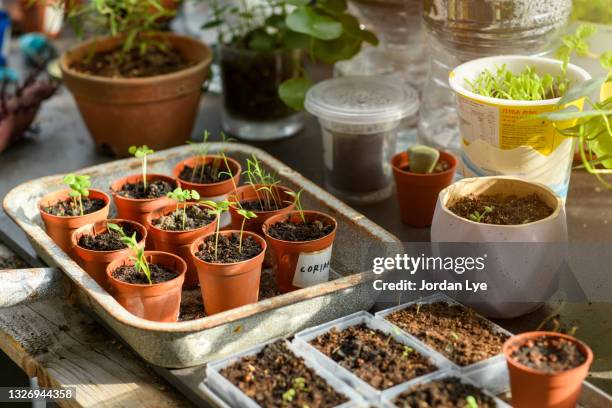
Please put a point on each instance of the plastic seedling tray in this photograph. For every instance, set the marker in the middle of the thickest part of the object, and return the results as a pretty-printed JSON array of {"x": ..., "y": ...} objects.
[
  {"x": 303, "y": 338},
  {"x": 233, "y": 396},
  {"x": 438, "y": 297},
  {"x": 493, "y": 377}
]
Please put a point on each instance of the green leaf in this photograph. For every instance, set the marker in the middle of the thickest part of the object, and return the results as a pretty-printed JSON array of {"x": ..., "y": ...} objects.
[
  {"x": 333, "y": 6},
  {"x": 333, "y": 51},
  {"x": 572, "y": 113},
  {"x": 307, "y": 21},
  {"x": 582, "y": 90},
  {"x": 605, "y": 59},
  {"x": 262, "y": 42},
  {"x": 293, "y": 92},
  {"x": 297, "y": 2},
  {"x": 296, "y": 41}
]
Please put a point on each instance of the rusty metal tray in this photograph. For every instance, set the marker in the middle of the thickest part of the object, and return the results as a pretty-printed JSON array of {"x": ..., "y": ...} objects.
[{"x": 194, "y": 342}]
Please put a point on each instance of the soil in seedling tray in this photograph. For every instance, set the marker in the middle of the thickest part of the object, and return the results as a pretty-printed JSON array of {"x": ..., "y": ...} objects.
[
  {"x": 375, "y": 357},
  {"x": 227, "y": 251},
  {"x": 204, "y": 175},
  {"x": 129, "y": 274},
  {"x": 441, "y": 166},
  {"x": 455, "y": 331},
  {"x": 505, "y": 210},
  {"x": 258, "y": 206},
  {"x": 68, "y": 208},
  {"x": 275, "y": 377},
  {"x": 108, "y": 240},
  {"x": 448, "y": 392},
  {"x": 196, "y": 217},
  {"x": 300, "y": 232},
  {"x": 155, "y": 189},
  {"x": 549, "y": 354}
]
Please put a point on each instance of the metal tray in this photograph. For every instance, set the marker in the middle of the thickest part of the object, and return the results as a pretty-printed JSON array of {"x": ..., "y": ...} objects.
[{"x": 194, "y": 342}]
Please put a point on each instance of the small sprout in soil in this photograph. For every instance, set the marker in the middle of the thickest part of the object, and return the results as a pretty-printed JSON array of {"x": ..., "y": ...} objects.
[
  {"x": 202, "y": 152},
  {"x": 182, "y": 196},
  {"x": 477, "y": 216},
  {"x": 471, "y": 402},
  {"x": 455, "y": 336},
  {"x": 407, "y": 351},
  {"x": 298, "y": 203},
  {"x": 289, "y": 395},
  {"x": 246, "y": 215},
  {"x": 78, "y": 188},
  {"x": 141, "y": 153},
  {"x": 256, "y": 175},
  {"x": 218, "y": 208},
  {"x": 423, "y": 159},
  {"x": 140, "y": 261}
]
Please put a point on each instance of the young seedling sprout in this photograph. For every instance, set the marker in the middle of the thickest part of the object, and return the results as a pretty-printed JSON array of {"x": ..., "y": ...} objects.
[
  {"x": 256, "y": 175},
  {"x": 299, "y": 384},
  {"x": 477, "y": 216},
  {"x": 246, "y": 215},
  {"x": 78, "y": 188},
  {"x": 298, "y": 203},
  {"x": 217, "y": 209},
  {"x": 140, "y": 261},
  {"x": 407, "y": 351},
  {"x": 471, "y": 402},
  {"x": 141, "y": 153},
  {"x": 182, "y": 196},
  {"x": 202, "y": 152},
  {"x": 422, "y": 159}
]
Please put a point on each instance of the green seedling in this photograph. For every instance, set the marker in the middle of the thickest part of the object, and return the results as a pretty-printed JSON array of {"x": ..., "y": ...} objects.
[
  {"x": 217, "y": 209},
  {"x": 407, "y": 351},
  {"x": 246, "y": 215},
  {"x": 455, "y": 336},
  {"x": 423, "y": 159},
  {"x": 182, "y": 196},
  {"x": 477, "y": 216},
  {"x": 298, "y": 203},
  {"x": 289, "y": 395},
  {"x": 299, "y": 383},
  {"x": 525, "y": 86},
  {"x": 140, "y": 261},
  {"x": 141, "y": 153},
  {"x": 471, "y": 402},
  {"x": 202, "y": 152},
  {"x": 78, "y": 188},
  {"x": 256, "y": 175}
]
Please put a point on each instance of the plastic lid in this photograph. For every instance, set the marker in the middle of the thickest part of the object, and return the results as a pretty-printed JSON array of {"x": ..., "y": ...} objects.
[{"x": 362, "y": 100}]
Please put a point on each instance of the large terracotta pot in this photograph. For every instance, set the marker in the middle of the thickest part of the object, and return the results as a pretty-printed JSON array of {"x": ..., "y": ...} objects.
[
  {"x": 248, "y": 193},
  {"x": 158, "y": 111},
  {"x": 159, "y": 302}
]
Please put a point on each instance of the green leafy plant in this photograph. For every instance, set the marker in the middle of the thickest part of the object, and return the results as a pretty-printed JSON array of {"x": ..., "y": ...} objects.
[
  {"x": 256, "y": 175},
  {"x": 202, "y": 151},
  {"x": 423, "y": 159},
  {"x": 298, "y": 203},
  {"x": 141, "y": 153},
  {"x": 182, "y": 196},
  {"x": 140, "y": 261},
  {"x": 525, "y": 86},
  {"x": 217, "y": 209},
  {"x": 471, "y": 402},
  {"x": 78, "y": 188},
  {"x": 477, "y": 216},
  {"x": 246, "y": 215}
]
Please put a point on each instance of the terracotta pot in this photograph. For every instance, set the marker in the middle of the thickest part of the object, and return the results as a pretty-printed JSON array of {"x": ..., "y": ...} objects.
[
  {"x": 158, "y": 111},
  {"x": 159, "y": 302},
  {"x": 536, "y": 389},
  {"x": 301, "y": 264},
  {"x": 96, "y": 262},
  {"x": 230, "y": 285},
  {"x": 213, "y": 191},
  {"x": 178, "y": 242},
  {"x": 59, "y": 228},
  {"x": 39, "y": 16},
  {"x": 417, "y": 193}
]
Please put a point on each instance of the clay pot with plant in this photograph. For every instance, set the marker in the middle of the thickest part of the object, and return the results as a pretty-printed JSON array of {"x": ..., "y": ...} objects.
[
  {"x": 301, "y": 242},
  {"x": 229, "y": 265},
  {"x": 97, "y": 245},
  {"x": 139, "y": 85},
  {"x": 147, "y": 284},
  {"x": 546, "y": 369},
  {"x": 174, "y": 228},
  {"x": 65, "y": 211},
  {"x": 420, "y": 174}
]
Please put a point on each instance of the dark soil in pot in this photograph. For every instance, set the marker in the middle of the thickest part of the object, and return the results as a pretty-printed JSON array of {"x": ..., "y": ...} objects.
[
  {"x": 108, "y": 240},
  {"x": 275, "y": 377},
  {"x": 448, "y": 392},
  {"x": 455, "y": 331},
  {"x": 155, "y": 189},
  {"x": 505, "y": 210},
  {"x": 375, "y": 357},
  {"x": 69, "y": 208},
  {"x": 549, "y": 355},
  {"x": 227, "y": 250},
  {"x": 129, "y": 274},
  {"x": 204, "y": 174},
  {"x": 300, "y": 232},
  {"x": 261, "y": 206},
  {"x": 196, "y": 217}
]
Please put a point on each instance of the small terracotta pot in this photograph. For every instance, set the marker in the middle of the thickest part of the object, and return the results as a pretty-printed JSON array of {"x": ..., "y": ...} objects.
[
  {"x": 230, "y": 285},
  {"x": 59, "y": 228},
  {"x": 417, "y": 193},
  {"x": 536, "y": 389},
  {"x": 96, "y": 262},
  {"x": 178, "y": 242},
  {"x": 301, "y": 264},
  {"x": 160, "y": 302}
]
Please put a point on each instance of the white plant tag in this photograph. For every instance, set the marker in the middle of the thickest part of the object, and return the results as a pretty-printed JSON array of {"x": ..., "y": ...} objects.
[{"x": 312, "y": 268}]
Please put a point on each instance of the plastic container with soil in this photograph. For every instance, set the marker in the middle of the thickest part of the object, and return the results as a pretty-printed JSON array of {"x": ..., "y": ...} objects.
[
  {"x": 234, "y": 396},
  {"x": 419, "y": 361},
  {"x": 490, "y": 335},
  {"x": 253, "y": 198}
]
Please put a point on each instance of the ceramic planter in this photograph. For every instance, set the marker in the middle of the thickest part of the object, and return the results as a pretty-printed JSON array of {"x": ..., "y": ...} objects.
[
  {"x": 417, "y": 193},
  {"x": 96, "y": 262},
  {"x": 230, "y": 285},
  {"x": 301, "y": 264},
  {"x": 159, "y": 302},
  {"x": 41, "y": 16},
  {"x": 178, "y": 242},
  {"x": 158, "y": 111},
  {"x": 59, "y": 228},
  {"x": 539, "y": 246},
  {"x": 535, "y": 389}
]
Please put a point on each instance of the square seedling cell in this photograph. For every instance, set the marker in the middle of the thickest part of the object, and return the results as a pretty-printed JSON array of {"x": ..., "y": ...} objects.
[
  {"x": 368, "y": 354},
  {"x": 462, "y": 336},
  {"x": 277, "y": 374}
]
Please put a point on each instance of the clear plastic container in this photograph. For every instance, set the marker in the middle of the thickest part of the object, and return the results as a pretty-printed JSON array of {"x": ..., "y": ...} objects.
[
  {"x": 493, "y": 377},
  {"x": 372, "y": 394},
  {"x": 360, "y": 118}
]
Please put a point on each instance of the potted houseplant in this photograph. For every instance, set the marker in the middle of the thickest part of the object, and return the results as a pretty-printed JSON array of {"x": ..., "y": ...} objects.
[
  {"x": 65, "y": 211},
  {"x": 174, "y": 228},
  {"x": 138, "y": 84},
  {"x": 546, "y": 369},
  {"x": 420, "y": 174},
  {"x": 96, "y": 245},
  {"x": 229, "y": 265},
  {"x": 262, "y": 47},
  {"x": 301, "y": 242},
  {"x": 147, "y": 284}
]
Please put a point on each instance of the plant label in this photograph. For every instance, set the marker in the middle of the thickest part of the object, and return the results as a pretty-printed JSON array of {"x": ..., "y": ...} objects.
[{"x": 312, "y": 268}]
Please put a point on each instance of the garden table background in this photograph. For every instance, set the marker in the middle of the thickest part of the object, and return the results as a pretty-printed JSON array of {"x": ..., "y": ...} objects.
[{"x": 61, "y": 345}]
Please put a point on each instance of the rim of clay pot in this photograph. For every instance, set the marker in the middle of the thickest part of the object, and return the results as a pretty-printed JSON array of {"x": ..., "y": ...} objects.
[
  {"x": 109, "y": 270},
  {"x": 171, "y": 208},
  {"x": 445, "y": 197},
  {"x": 196, "y": 245},
  {"x": 66, "y": 69},
  {"x": 403, "y": 156},
  {"x": 89, "y": 229},
  {"x": 515, "y": 341},
  {"x": 249, "y": 186},
  {"x": 150, "y": 177},
  {"x": 236, "y": 171},
  {"x": 101, "y": 193},
  {"x": 276, "y": 218}
]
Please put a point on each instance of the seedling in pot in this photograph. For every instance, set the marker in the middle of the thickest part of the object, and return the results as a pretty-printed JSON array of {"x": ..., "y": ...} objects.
[
  {"x": 477, "y": 216},
  {"x": 269, "y": 199},
  {"x": 182, "y": 196},
  {"x": 217, "y": 209},
  {"x": 423, "y": 159},
  {"x": 246, "y": 215},
  {"x": 78, "y": 188},
  {"x": 298, "y": 203},
  {"x": 141, "y": 153},
  {"x": 202, "y": 152},
  {"x": 140, "y": 261},
  {"x": 501, "y": 209},
  {"x": 471, "y": 402}
]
